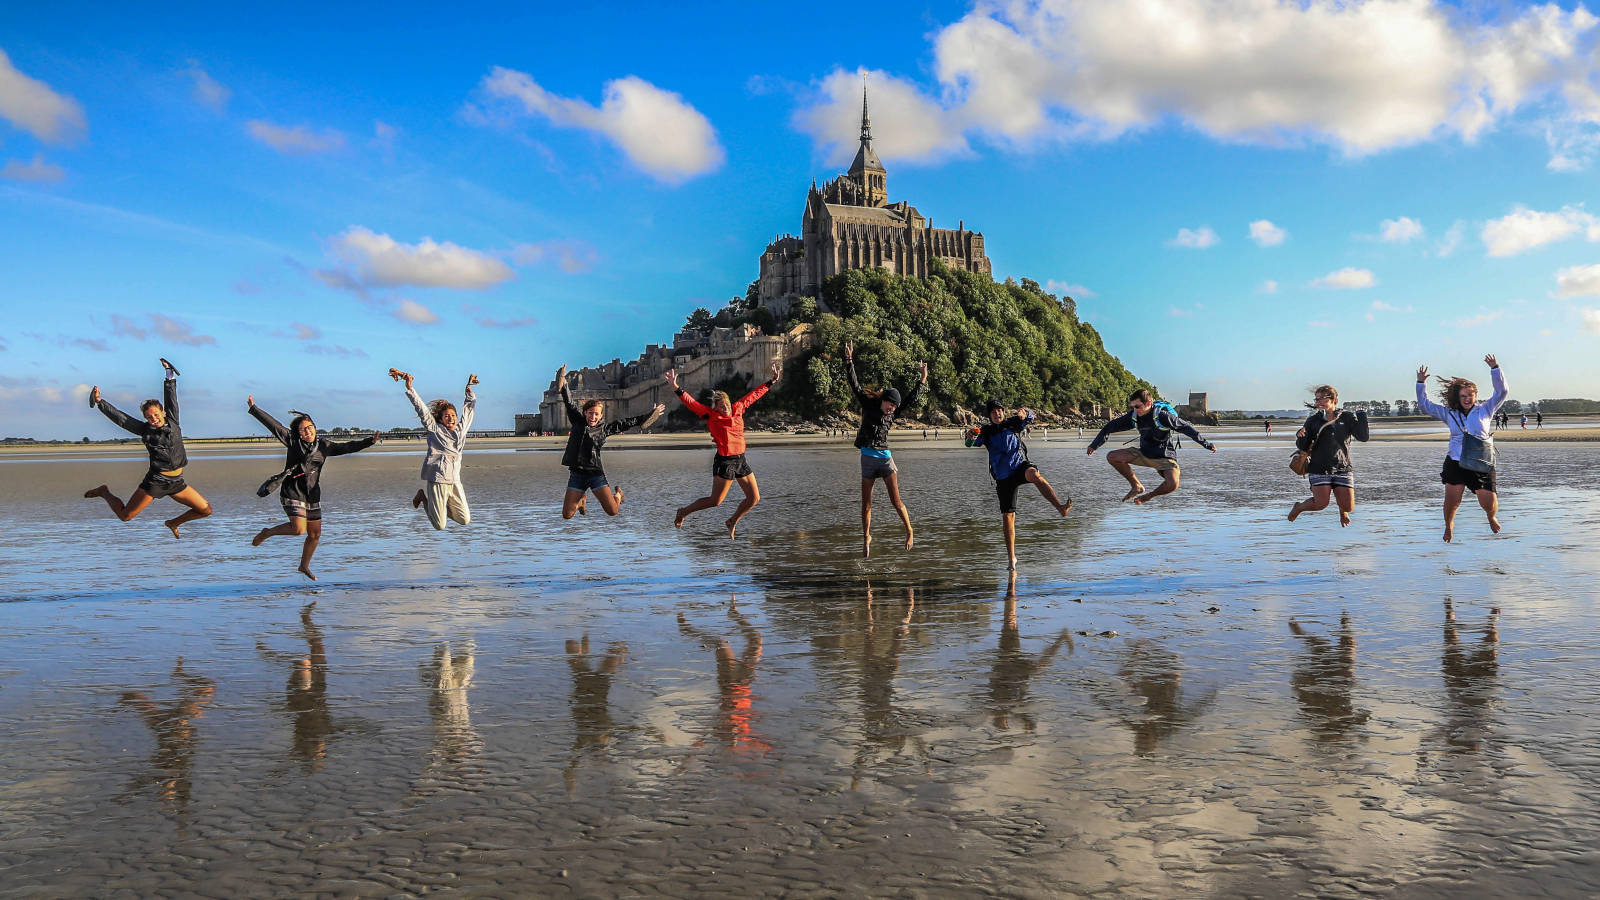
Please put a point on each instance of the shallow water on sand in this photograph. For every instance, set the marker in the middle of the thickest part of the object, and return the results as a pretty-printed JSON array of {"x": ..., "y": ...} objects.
[{"x": 1193, "y": 698}]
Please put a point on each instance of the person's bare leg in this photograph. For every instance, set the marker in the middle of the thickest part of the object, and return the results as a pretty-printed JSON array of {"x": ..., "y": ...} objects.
[
  {"x": 418, "y": 499},
  {"x": 866, "y": 516},
  {"x": 1009, "y": 525},
  {"x": 295, "y": 526},
  {"x": 752, "y": 496},
  {"x": 313, "y": 536},
  {"x": 892, "y": 482},
  {"x": 1346, "y": 498},
  {"x": 1119, "y": 460},
  {"x": 1490, "y": 501},
  {"x": 125, "y": 512},
  {"x": 1048, "y": 492},
  {"x": 1317, "y": 500},
  {"x": 719, "y": 492},
  {"x": 610, "y": 501},
  {"x": 198, "y": 509},
  {"x": 1169, "y": 483},
  {"x": 1452, "y": 502},
  {"x": 571, "y": 502}
]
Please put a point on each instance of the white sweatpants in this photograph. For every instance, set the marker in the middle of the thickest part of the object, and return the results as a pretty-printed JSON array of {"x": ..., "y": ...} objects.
[{"x": 445, "y": 499}]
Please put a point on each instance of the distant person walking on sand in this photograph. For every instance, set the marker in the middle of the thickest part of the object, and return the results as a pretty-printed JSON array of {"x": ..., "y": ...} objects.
[
  {"x": 582, "y": 456},
  {"x": 1009, "y": 465},
  {"x": 1326, "y": 436},
  {"x": 442, "y": 493},
  {"x": 1156, "y": 421},
  {"x": 725, "y": 420},
  {"x": 1268, "y": 425},
  {"x": 299, "y": 484},
  {"x": 879, "y": 409},
  {"x": 163, "y": 441},
  {"x": 1538, "y": 419},
  {"x": 1469, "y": 462},
  {"x": 1524, "y": 420}
]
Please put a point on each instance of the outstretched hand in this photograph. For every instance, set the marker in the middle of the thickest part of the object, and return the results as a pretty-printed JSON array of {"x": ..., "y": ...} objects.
[
  {"x": 659, "y": 408},
  {"x": 398, "y": 375},
  {"x": 561, "y": 375},
  {"x": 671, "y": 377},
  {"x": 94, "y": 396},
  {"x": 251, "y": 401},
  {"x": 924, "y": 373},
  {"x": 472, "y": 380},
  {"x": 1422, "y": 374},
  {"x": 777, "y": 371},
  {"x": 1491, "y": 361},
  {"x": 849, "y": 350}
]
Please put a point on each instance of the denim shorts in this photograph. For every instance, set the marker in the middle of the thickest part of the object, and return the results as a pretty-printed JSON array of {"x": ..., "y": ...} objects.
[
  {"x": 1342, "y": 480},
  {"x": 582, "y": 480}
]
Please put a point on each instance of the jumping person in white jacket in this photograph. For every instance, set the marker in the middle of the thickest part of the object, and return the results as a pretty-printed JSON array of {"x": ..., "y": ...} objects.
[
  {"x": 1462, "y": 412},
  {"x": 442, "y": 493}
]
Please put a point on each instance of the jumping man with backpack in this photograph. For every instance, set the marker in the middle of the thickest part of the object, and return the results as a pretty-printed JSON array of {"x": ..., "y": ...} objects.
[{"x": 1157, "y": 421}]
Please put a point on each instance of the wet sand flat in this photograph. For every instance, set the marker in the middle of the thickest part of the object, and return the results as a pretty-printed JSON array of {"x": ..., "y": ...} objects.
[{"x": 1194, "y": 698}]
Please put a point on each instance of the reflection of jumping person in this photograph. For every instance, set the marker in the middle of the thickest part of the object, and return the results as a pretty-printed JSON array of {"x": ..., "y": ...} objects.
[
  {"x": 1013, "y": 669},
  {"x": 878, "y": 412},
  {"x": 1324, "y": 681},
  {"x": 591, "y": 703},
  {"x": 306, "y": 694},
  {"x": 171, "y": 767},
  {"x": 1470, "y": 674},
  {"x": 1326, "y": 436},
  {"x": 1466, "y": 419},
  {"x": 725, "y": 420},
  {"x": 1156, "y": 422},
  {"x": 582, "y": 456},
  {"x": 441, "y": 492},
  {"x": 163, "y": 441},
  {"x": 736, "y": 676},
  {"x": 301, "y": 490},
  {"x": 1009, "y": 465}
]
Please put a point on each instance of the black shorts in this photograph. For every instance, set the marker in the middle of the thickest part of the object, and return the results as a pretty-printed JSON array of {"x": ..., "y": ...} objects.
[
  {"x": 158, "y": 485},
  {"x": 731, "y": 468},
  {"x": 1007, "y": 488},
  {"x": 1474, "y": 481}
]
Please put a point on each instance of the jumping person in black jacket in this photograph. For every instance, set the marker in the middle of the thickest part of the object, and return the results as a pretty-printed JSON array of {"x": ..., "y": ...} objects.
[
  {"x": 582, "y": 457},
  {"x": 1326, "y": 436},
  {"x": 163, "y": 441},
  {"x": 879, "y": 409},
  {"x": 1157, "y": 447},
  {"x": 301, "y": 490}
]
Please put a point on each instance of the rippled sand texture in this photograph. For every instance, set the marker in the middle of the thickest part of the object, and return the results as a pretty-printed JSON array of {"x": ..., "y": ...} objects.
[{"x": 1191, "y": 699}]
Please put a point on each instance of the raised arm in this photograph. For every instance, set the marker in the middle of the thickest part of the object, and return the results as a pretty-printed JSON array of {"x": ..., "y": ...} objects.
[
  {"x": 1361, "y": 430},
  {"x": 1120, "y": 423},
  {"x": 273, "y": 425},
  {"x": 423, "y": 414},
  {"x": 643, "y": 421},
  {"x": 850, "y": 372},
  {"x": 340, "y": 448},
  {"x": 749, "y": 399},
  {"x": 169, "y": 393},
  {"x": 574, "y": 414},
  {"x": 118, "y": 417},
  {"x": 1423, "y": 402},
  {"x": 1021, "y": 421},
  {"x": 469, "y": 407},
  {"x": 915, "y": 393},
  {"x": 1498, "y": 380}
]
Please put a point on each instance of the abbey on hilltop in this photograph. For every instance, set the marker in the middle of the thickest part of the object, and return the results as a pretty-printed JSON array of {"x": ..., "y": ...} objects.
[{"x": 849, "y": 223}]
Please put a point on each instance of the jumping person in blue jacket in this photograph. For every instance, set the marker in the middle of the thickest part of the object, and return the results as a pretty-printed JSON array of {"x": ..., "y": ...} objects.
[
  {"x": 1156, "y": 422},
  {"x": 1008, "y": 463}
]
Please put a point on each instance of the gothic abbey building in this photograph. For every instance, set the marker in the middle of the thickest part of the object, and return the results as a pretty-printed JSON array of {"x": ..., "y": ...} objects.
[{"x": 849, "y": 223}]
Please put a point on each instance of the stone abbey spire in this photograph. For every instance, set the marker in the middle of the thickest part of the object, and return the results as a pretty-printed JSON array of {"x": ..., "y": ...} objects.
[{"x": 867, "y": 170}]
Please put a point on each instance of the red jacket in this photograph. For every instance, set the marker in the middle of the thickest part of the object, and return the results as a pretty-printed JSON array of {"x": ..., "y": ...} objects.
[{"x": 727, "y": 430}]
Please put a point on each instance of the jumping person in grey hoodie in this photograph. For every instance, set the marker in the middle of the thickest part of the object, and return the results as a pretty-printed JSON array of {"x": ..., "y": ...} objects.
[{"x": 441, "y": 492}]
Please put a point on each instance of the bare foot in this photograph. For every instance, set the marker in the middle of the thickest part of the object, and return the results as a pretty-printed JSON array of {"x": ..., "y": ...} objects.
[
  {"x": 910, "y": 537},
  {"x": 1065, "y": 507},
  {"x": 732, "y": 525},
  {"x": 1295, "y": 512},
  {"x": 260, "y": 536},
  {"x": 1449, "y": 532},
  {"x": 100, "y": 491},
  {"x": 1344, "y": 519},
  {"x": 1494, "y": 524},
  {"x": 306, "y": 571},
  {"x": 620, "y": 498},
  {"x": 866, "y": 546},
  {"x": 172, "y": 525},
  {"x": 1142, "y": 499},
  {"x": 678, "y": 521},
  {"x": 583, "y": 506},
  {"x": 1136, "y": 491},
  {"x": 1012, "y": 566},
  {"x": 417, "y": 500}
]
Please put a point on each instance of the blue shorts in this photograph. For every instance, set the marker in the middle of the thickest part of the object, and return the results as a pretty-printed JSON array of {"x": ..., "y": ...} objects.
[{"x": 583, "y": 481}]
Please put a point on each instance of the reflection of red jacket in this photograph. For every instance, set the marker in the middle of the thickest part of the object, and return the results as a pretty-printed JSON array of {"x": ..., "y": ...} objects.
[{"x": 727, "y": 430}]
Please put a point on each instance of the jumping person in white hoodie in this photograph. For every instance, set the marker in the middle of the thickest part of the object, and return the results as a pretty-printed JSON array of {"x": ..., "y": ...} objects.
[
  {"x": 1469, "y": 463},
  {"x": 442, "y": 493}
]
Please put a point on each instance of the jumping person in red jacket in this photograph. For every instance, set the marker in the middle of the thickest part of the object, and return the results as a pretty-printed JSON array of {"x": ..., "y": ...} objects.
[{"x": 725, "y": 421}]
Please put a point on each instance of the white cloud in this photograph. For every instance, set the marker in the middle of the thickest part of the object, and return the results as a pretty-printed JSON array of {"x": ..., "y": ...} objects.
[
  {"x": 1379, "y": 306},
  {"x": 294, "y": 141},
  {"x": 300, "y": 331},
  {"x": 32, "y": 106},
  {"x": 906, "y": 125},
  {"x": 570, "y": 255},
  {"x": 1590, "y": 319},
  {"x": 414, "y": 312},
  {"x": 1266, "y": 234},
  {"x": 378, "y": 260},
  {"x": 1346, "y": 279},
  {"x": 37, "y": 171},
  {"x": 1480, "y": 320},
  {"x": 336, "y": 351},
  {"x": 162, "y": 328},
  {"x": 1452, "y": 239},
  {"x": 1361, "y": 75},
  {"x": 208, "y": 92},
  {"x": 1195, "y": 239},
  {"x": 1524, "y": 229},
  {"x": 1178, "y": 312},
  {"x": 1399, "y": 231},
  {"x": 383, "y": 135},
  {"x": 1268, "y": 287},
  {"x": 1578, "y": 281},
  {"x": 663, "y": 135},
  {"x": 488, "y": 322},
  {"x": 1075, "y": 291}
]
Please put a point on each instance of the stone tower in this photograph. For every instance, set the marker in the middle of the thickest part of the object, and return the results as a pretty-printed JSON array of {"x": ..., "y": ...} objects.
[{"x": 866, "y": 170}]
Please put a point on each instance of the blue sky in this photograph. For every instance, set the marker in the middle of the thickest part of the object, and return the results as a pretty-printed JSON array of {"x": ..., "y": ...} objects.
[{"x": 1245, "y": 198}]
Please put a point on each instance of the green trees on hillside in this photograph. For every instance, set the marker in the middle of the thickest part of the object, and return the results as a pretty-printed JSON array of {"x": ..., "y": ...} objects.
[{"x": 981, "y": 339}]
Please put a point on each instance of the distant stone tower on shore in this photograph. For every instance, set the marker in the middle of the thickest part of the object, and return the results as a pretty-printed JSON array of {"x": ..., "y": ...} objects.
[{"x": 849, "y": 223}]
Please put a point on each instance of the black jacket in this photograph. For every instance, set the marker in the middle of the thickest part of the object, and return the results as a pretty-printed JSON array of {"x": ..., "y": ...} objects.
[
  {"x": 584, "y": 443},
  {"x": 1330, "y": 453},
  {"x": 874, "y": 430},
  {"x": 1156, "y": 429},
  {"x": 164, "y": 444},
  {"x": 304, "y": 461}
]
